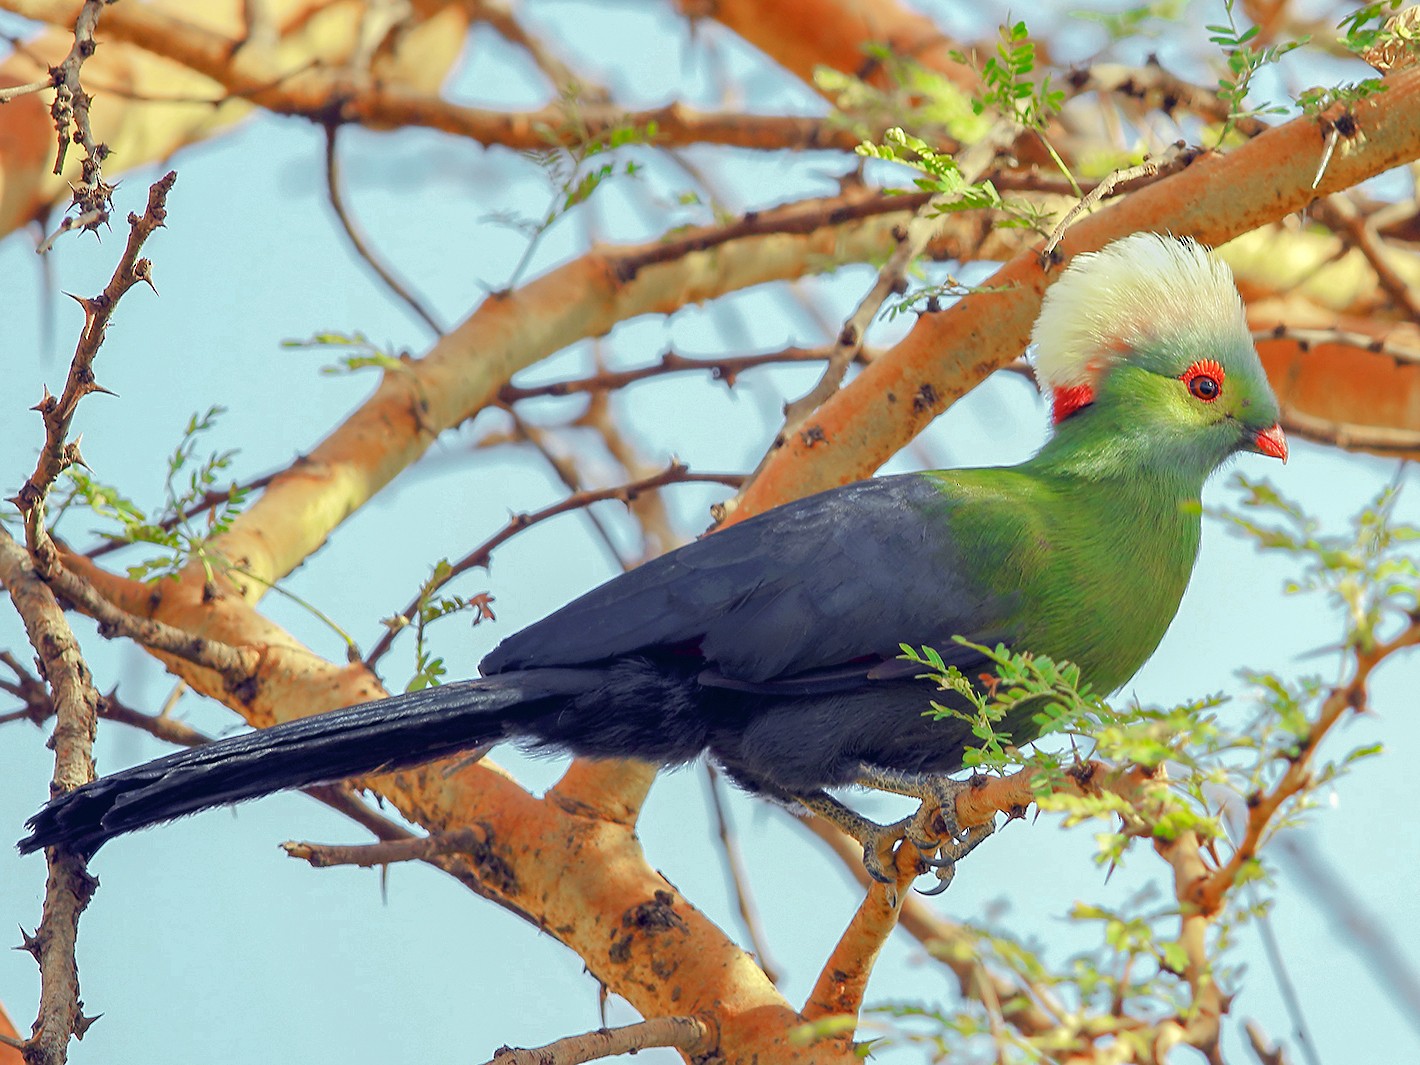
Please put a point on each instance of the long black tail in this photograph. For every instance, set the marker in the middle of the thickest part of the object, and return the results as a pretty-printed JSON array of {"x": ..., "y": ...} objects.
[{"x": 375, "y": 737}]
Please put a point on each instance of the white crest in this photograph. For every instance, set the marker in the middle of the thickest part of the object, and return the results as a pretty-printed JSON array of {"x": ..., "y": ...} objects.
[{"x": 1142, "y": 288}]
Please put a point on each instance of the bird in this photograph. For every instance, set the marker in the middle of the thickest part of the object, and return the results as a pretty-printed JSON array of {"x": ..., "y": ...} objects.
[{"x": 774, "y": 646}]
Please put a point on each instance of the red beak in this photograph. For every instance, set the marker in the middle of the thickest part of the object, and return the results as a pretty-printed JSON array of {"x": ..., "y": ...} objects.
[{"x": 1271, "y": 442}]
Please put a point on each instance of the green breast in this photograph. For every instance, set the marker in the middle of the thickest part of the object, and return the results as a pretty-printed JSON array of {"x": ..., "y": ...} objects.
[{"x": 1094, "y": 568}]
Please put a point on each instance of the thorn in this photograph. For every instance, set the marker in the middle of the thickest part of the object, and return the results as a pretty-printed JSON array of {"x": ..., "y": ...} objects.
[
  {"x": 30, "y": 944},
  {"x": 72, "y": 456},
  {"x": 45, "y": 404},
  {"x": 94, "y": 386},
  {"x": 82, "y": 1024},
  {"x": 143, "y": 271}
]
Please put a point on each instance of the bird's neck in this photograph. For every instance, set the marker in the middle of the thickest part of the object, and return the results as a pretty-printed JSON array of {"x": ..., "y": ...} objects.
[{"x": 1132, "y": 459}]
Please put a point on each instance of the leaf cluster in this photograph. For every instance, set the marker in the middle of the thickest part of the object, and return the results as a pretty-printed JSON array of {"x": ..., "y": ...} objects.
[
  {"x": 1207, "y": 763},
  {"x": 431, "y": 606},
  {"x": 1244, "y": 59},
  {"x": 190, "y": 487},
  {"x": 1009, "y": 84}
]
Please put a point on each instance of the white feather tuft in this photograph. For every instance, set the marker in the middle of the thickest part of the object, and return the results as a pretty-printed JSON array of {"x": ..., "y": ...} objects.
[{"x": 1144, "y": 289}]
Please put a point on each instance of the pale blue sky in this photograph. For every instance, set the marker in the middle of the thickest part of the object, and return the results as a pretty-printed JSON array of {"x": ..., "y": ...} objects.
[{"x": 206, "y": 944}]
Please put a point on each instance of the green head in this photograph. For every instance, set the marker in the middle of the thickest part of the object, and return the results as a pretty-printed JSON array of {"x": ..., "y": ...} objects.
[{"x": 1144, "y": 344}]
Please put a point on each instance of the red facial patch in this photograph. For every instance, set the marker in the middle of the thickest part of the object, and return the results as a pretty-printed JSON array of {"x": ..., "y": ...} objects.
[
  {"x": 1068, "y": 400},
  {"x": 1204, "y": 380}
]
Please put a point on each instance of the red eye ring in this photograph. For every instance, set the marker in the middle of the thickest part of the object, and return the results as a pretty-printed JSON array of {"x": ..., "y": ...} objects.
[{"x": 1204, "y": 380}]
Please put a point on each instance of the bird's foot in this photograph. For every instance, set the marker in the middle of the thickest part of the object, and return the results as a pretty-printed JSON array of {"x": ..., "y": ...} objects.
[
  {"x": 934, "y": 829},
  {"x": 880, "y": 848},
  {"x": 879, "y": 841}
]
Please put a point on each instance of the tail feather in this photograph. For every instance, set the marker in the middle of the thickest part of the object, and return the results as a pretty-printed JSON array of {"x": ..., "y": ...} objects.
[{"x": 376, "y": 737}]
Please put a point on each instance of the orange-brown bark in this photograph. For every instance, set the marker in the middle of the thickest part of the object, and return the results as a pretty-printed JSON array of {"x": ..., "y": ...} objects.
[
  {"x": 1215, "y": 199},
  {"x": 9, "y": 1055},
  {"x": 803, "y": 34},
  {"x": 121, "y": 73}
]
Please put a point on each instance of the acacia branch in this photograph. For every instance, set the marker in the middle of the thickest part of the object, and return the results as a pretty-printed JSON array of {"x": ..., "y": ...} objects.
[
  {"x": 843, "y": 980},
  {"x": 325, "y": 94},
  {"x": 236, "y": 665},
  {"x": 735, "y": 874},
  {"x": 1402, "y": 351},
  {"x": 405, "y": 848},
  {"x": 92, "y": 195},
  {"x": 69, "y": 886},
  {"x": 58, "y": 454},
  {"x": 1341, "y": 216},
  {"x": 690, "y": 1035},
  {"x": 1213, "y": 200}
]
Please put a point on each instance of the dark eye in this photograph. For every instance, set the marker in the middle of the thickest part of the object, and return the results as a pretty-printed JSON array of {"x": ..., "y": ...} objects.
[
  {"x": 1204, "y": 380},
  {"x": 1205, "y": 388}
]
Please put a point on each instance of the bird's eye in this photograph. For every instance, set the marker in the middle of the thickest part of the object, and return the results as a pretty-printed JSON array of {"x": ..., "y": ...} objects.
[{"x": 1204, "y": 380}]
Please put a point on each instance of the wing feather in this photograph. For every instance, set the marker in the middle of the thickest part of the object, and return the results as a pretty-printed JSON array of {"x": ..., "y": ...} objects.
[{"x": 837, "y": 578}]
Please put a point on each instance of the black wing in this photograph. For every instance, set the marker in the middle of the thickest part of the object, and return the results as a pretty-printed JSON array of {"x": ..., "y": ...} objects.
[{"x": 835, "y": 580}]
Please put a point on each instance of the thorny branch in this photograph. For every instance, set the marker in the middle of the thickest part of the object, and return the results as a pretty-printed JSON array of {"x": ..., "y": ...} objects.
[
  {"x": 396, "y": 849},
  {"x": 69, "y": 886},
  {"x": 1208, "y": 894},
  {"x": 1307, "y": 339},
  {"x": 92, "y": 195},
  {"x": 58, "y": 452},
  {"x": 237, "y": 665}
]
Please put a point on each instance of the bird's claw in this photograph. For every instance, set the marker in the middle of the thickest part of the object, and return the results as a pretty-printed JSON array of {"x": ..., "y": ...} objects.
[
  {"x": 933, "y": 830},
  {"x": 880, "y": 850}
]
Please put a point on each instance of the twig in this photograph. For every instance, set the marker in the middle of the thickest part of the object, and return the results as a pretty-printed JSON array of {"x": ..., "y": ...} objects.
[
  {"x": 1340, "y": 214},
  {"x": 648, "y": 509},
  {"x": 674, "y": 474},
  {"x": 1262, "y": 1047},
  {"x": 29, "y": 689},
  {"x": 1155, "y": 88},
  {"x": 566, "y": 470},
  {"x": 506, "y": 24},
  {"x": 1175, "y": 159},
  {"x": 841, "y": 984},
  {"x": 1307, "y": 339},
  {"x": 736, "y": 878},
  {"x": 69, "y": 885},
  {"x": 1287, "y": 989},
  {"x": 237, "y": 665},
  {"x": 690, "y": 1035},
  {"x": 805, "y": 216},
  {"x": 726, "y": 368},
  {"x": 1349, "y": 436},
  {"x": 360, "y": 244},
  {"x": 14, "y": 92},
  {"x": 256, "y": 74},
  {"x": 92, "y": 195},
  {"x": 58, "y": 414},
  {"x": 407, "y": 848}
]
